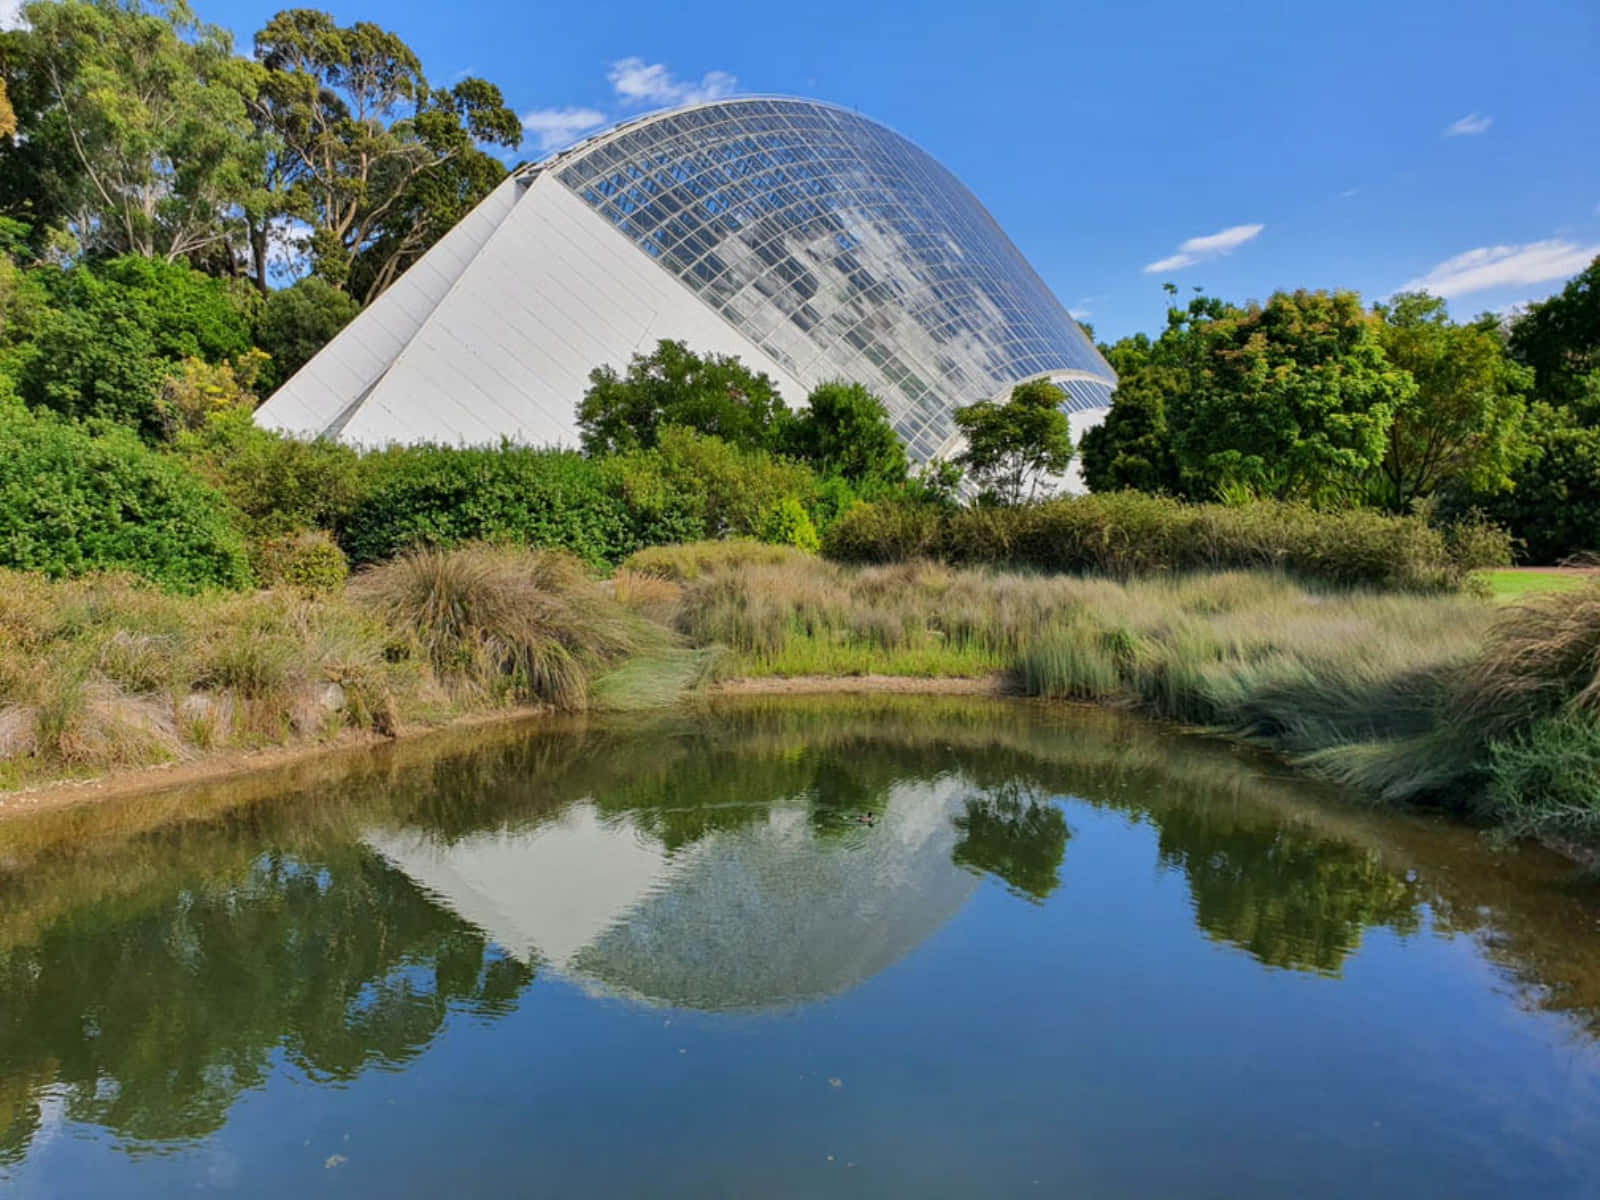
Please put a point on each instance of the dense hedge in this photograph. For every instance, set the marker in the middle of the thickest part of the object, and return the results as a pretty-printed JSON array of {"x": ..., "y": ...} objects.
[
  {"x": 443, "y": 496},
  {"x": 1128, "y": 533},
  {"x": 73, "y": 501}
]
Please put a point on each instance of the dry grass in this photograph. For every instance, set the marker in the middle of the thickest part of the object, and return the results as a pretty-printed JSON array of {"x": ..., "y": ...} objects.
[
  {"x": 1542, "y": 656},
  {"x": 1411, "y": 698},
  {"x": 688, "y": 562},
  {"x": 499, "y": 623},
  {"x": 106, "y": 671}
]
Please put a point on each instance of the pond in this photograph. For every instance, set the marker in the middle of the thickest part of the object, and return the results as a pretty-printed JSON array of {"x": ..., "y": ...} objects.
[{"x": 1068, "y": 953}]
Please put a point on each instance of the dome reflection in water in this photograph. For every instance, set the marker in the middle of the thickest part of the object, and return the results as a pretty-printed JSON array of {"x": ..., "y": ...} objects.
[{"x": 674, "y": 955}]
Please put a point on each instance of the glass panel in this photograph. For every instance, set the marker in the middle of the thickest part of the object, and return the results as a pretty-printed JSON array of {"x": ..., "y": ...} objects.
[{"x": 836, "y": 244}]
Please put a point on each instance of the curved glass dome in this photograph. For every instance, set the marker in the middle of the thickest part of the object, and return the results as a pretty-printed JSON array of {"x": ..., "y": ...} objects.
[{"x": 840, "y": 249}]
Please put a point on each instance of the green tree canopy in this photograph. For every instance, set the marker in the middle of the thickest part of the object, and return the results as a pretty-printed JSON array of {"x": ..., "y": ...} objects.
[
  {"x": 136, "y": 137},
  {"x": 1553, "y": 504},
  {"x": 295, "y": 322},
  {"x": 1290, "y": 399},
  {"x": 844, "y": 431},
  {"x": 1560, "y": 339},
  {"x": 672, "y": 385},
  {"x": 1013, "y": 449},
  {"x": 1462, "y": 424},
  {"x": 1132, "y": 447},
  {"x": 365, "y": 150}
]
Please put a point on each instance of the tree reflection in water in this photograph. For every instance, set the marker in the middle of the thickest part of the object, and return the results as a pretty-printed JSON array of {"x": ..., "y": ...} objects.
[
  {"x": 1013, "y": 833},
  {"x": 148, "y": 978}
]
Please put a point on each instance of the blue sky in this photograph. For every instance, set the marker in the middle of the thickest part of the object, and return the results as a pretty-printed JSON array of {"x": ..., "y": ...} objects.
[{"x": 1253, "y": 145}]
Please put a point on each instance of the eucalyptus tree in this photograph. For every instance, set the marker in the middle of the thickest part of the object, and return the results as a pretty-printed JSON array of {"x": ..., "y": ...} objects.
[
  {"x": 363, "y": 153},
  {"x": 133, "y": 133}
]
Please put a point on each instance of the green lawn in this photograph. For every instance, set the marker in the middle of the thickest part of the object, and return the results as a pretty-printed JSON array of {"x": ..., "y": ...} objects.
[{"x": 1514, "y": 585}]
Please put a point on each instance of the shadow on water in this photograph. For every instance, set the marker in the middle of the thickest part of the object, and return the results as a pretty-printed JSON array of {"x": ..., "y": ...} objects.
[{"x": 160, "y": 957}]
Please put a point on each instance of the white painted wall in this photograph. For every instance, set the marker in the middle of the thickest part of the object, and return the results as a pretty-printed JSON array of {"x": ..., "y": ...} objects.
[
  {"x": 551, "y": 293},
  {"x": 344, "y": 370}
]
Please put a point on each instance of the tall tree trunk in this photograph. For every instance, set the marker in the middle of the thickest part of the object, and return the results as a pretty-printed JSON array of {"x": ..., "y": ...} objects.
[{"x": 258, "y": 253}]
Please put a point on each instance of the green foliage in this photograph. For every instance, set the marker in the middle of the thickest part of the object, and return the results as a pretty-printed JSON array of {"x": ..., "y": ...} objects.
[
  {"x": 311, "y": 563},
  {"x": 1462, "y": 425},
  {"x": 279, "y": 485},
  {"x": 844, "y": 432},
  {"x": 1014, "y": 448},
  {"x": 1132, "y": 447},
  {"x": 114, "y": 331},
  {"x": 72, "y": 501},
  {"x": 365, "y": 150},
  {"x": 786, "y": 523},
  {"x": 1294, "y": 399},
  {"x": 1553, "y": 505},
  {"x": 444, "y": 496},
  {"x": 673, "y": 386},
  {"x": 1545, "y": 780},
  {"x": 884, "y": 532},
  {"x": 194, "y": 391},
  {"x": 1126, "y": 534},
  {"x": 295, "y": 322},
  {"x": 135, "y": 135},
  {"x": 690, "y": 480},
  {"x": 1560, "y": 339}
]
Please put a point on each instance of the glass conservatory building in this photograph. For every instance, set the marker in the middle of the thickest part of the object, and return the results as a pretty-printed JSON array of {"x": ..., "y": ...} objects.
[{"x": 812, "y": 243}]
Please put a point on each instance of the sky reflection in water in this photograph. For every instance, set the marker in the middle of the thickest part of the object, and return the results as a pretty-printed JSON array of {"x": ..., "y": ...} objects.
[{"x": 666, "y": 957}]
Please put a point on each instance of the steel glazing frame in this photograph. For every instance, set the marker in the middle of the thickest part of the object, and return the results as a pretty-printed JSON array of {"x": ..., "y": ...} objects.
[{"x": 840, "y": 249}]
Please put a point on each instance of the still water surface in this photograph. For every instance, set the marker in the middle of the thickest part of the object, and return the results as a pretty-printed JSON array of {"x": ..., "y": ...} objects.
[{"x": 1072, "y": 955}]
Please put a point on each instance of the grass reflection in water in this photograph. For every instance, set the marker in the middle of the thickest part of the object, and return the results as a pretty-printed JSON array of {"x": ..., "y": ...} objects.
[{"x": 159, "y": 958}]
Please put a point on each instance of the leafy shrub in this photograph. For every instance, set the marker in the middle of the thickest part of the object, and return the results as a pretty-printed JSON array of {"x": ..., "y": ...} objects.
[
  {"x": 705, "y": 481},
  {"x": 113, "y": 331},
  {"x": 786, "y": 524},
  {"x": 1124, "y": 534},
  {"x": 443, "y": 496},
  {"x": 887, "y": 531},
  {"x": 307, "y": 562},
  {"x": 194, "y": 391},
  {"x": 73, "y": 501},
  {"x": 295, "y": 322},
  {"x": 279, "y": 484}
]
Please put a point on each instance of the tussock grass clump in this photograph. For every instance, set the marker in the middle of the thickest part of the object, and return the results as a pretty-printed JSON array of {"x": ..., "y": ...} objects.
[
  {"x": 1542, "y": 657},
  {"x": 498, "y": 624}
]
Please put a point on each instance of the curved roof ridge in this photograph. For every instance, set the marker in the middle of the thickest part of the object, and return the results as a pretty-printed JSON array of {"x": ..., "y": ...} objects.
[{"x": 570, "y": 154}]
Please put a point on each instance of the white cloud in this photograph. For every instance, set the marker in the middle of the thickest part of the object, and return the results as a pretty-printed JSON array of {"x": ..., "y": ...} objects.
[
  {"x": 1504, "y": 266},
  {"x": 554, "y": 128},
  {"x": 1348, "y": 193},
  {"x": 11, "y": 14},
  {"x": 638, "y": 82},
  {"x": 1210, "y": 245},
  {"x": 1468, "y": 126}
]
